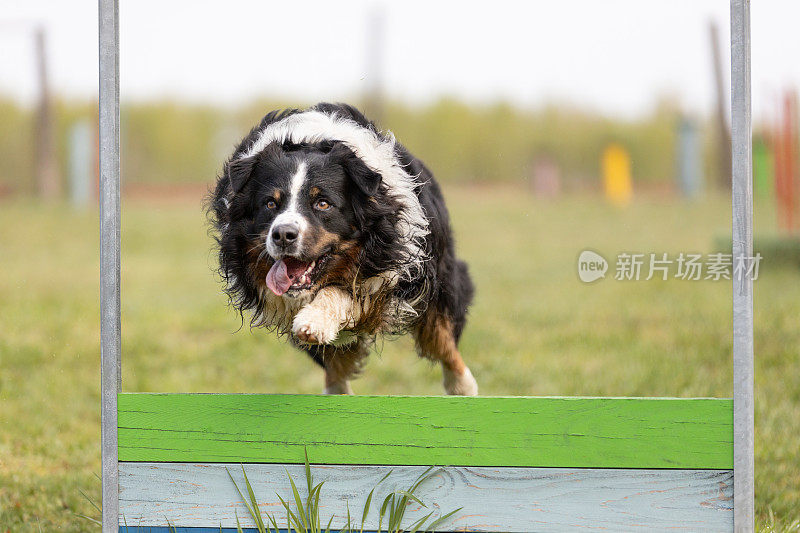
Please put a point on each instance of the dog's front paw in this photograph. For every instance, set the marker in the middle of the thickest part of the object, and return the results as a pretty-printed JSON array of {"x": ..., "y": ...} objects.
[
  {"x": 312, "y": 326},
  {"x": 460, "y": 384}
]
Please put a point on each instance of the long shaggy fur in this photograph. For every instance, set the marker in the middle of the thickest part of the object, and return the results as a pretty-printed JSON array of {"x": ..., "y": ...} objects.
[{"x": 399, "y": 266}]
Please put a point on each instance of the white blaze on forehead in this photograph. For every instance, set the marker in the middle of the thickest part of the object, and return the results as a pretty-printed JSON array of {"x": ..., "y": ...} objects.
[
  {"x": 291, "y": 215},
  {"x": 377, "y": 152},
  {"x": 296, "y": 185}
]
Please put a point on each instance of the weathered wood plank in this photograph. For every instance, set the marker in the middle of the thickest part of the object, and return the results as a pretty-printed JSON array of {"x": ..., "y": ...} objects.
[
  {"x": 171, "y": 529},
  {"x": 513, "y": 431},
  {"x": 493, "y": 499}
]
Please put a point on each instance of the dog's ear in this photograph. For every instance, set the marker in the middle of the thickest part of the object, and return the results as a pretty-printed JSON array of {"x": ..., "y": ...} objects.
[
  {"x": 239, "y": 172},
  {"x": 366, "y": 179}
]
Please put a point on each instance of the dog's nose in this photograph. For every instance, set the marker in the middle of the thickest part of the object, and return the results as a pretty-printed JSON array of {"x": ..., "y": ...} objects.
[{"x": 284, "y": 234}]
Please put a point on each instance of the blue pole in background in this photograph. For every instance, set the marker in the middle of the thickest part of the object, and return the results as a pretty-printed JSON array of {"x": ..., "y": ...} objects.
[
  {"x": 690, "y": 173},
  {"x": 80, "y": 163}
]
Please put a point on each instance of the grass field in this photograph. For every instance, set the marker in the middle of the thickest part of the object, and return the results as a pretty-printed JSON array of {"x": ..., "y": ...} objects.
[{"x": 535, "y": 329}]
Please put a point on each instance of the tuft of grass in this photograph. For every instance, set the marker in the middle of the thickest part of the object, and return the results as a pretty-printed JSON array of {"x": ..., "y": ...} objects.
[
  {"x": 305, "y": 518},
  {"x": 769, "y": 523}
]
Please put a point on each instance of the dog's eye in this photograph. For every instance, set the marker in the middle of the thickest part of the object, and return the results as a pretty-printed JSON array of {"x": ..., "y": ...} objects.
[
  {"x": 271, "y": 204},
  {"x": 322, "y": 205}
]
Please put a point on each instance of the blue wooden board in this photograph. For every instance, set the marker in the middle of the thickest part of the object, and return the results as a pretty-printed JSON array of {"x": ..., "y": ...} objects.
[
  {"x": 159, "y": 529},
  {"x": 498, "y": 499}
]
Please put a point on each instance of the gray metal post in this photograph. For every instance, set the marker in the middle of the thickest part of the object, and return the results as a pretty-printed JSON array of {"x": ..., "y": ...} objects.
[
  {"x": 743, "y": 458},
  {"x": 110, "y": 338}
]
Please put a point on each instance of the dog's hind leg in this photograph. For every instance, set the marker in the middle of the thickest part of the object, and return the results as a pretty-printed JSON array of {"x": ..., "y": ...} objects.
[
  {"x": 436, "y": 340},
  {"x": 341, "y": 364}
]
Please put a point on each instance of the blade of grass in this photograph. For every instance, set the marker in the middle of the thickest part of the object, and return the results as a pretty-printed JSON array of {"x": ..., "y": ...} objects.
[
  {"x": 413, "y": 528},
  {"x": 397, "y": 512},
  {"x": 384, "y": 477},
  {"x": 238, "y": 525},
  {"x": 399, "y": 509},
  {"x": 254, "y": 503},
  {"x": 96, "y": 508},
  {"x": 291, "y": 517},
  {"x": 315, "y": 515},
  {"x": 308, "y": 472},
  {"x": 312, "y": 511},
  {"x": 410, "y": 496},
  {"x": 382, "y": 511},
  {"x": 369, "y": 500},
  {"x": 253, "y": 513},
  {"x": 427, "y": 474},
  {"x": 394, "y": 513},
  {"x": 271, "y": 518},
  {"x": 309, "y": 483},
  {"x": 386, "y": 505},
  {"x": 439, "y": 521},
  {"x": 366, "y": 507},
  {"x": 244, "y": 500},
  {"x": 89, "y": 518},
  {"x": 299, "y": 502},
  {"x": 254, "y": 509}
]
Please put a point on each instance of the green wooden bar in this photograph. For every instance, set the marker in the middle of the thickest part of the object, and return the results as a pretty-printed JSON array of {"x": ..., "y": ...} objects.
[{"x": 424, "y": 430}]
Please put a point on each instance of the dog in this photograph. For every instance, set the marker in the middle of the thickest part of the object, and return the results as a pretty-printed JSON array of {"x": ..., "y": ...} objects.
[{"x": 332, "y": 233}]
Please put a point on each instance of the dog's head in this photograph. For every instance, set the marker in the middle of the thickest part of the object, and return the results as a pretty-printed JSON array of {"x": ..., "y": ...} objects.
[
  {"x": 297, "y": 217},
  {"x": 316, "y": 198}
]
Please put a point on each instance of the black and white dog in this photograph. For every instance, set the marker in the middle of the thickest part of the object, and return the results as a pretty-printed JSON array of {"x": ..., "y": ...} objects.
[{"x": 331, "y": 232}]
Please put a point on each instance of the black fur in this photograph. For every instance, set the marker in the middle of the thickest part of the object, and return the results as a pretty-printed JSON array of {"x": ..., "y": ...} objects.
[{"x": 366, "y": 213}]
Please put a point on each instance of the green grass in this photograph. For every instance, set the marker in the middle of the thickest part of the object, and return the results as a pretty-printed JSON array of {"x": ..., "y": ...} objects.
[
  {"x": 306, "y": 518},
  {"x": 535, "y": 329}
]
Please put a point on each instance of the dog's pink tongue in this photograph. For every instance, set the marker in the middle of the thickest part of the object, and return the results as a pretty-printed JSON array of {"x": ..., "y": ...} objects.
[
  {"x": 278, "y": 279},
  {"x": 283, "y": 273}
]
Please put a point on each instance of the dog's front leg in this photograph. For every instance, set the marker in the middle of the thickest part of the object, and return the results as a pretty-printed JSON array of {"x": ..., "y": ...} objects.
[{"x": 320, "y": 321}]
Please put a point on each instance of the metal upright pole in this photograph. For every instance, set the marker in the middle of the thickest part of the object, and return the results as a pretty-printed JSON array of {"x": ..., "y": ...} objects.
[
  {"x": 743, "y": 406},
  {"x": 110, "y": 338}
]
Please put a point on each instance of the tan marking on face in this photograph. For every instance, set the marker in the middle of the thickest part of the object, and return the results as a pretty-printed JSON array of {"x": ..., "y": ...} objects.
[
  {"x": 322, "y": 240},
  {"x": 276, "y": 194},
  {"x": 342, "y": 268},
  {"x": 313, "y": 192}
]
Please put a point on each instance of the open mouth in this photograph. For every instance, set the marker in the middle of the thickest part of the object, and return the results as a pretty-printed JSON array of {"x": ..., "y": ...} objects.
[{"x": 290, "y": 274}]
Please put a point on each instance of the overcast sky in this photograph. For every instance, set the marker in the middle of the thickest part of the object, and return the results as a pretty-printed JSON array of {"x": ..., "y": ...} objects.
[{"x": 617, "y": 56}]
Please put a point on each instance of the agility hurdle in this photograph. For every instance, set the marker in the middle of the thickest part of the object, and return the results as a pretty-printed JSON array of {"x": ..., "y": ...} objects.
[{"x": 513, "y": 464}]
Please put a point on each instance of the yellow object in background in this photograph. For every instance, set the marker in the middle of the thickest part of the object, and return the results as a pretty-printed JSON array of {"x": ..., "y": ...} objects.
[{"x": 617, "y": 180}]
